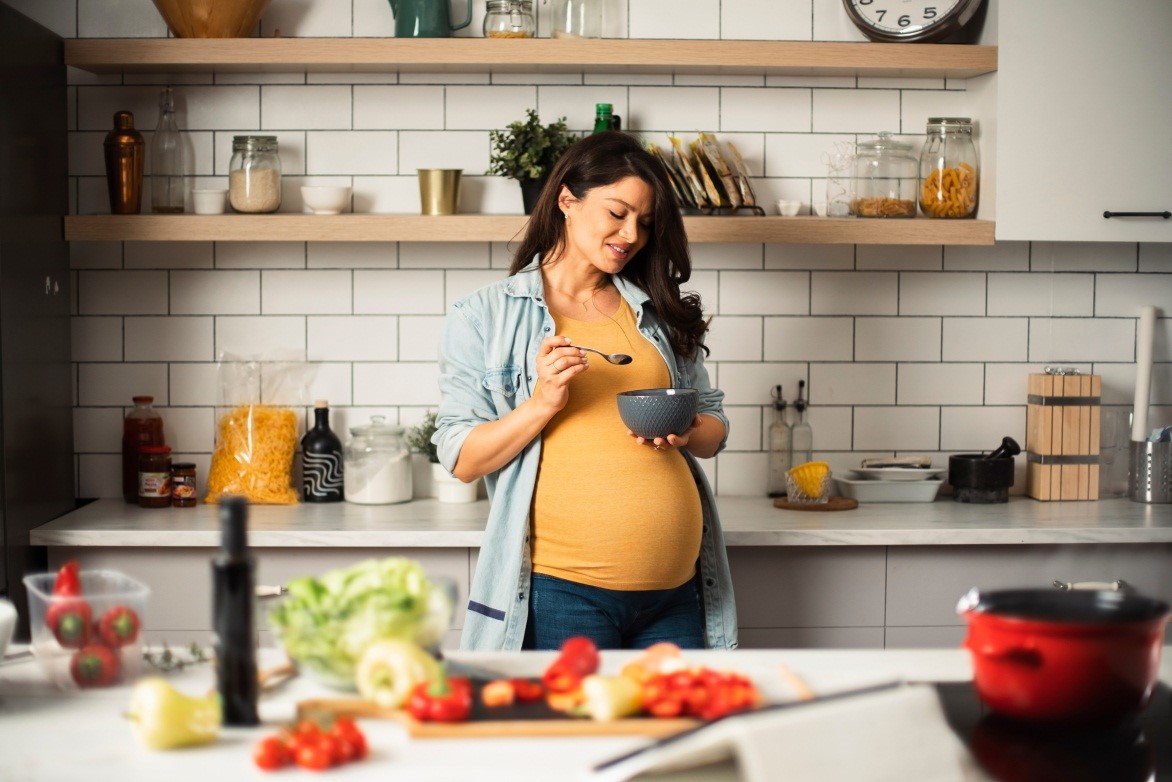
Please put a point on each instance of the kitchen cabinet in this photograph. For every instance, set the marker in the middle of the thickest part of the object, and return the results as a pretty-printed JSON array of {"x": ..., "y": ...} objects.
[
  {"x": 1082, "y": 114},
  {"x": 173, "y": 55},
  {"x": 36, "y": 419}
]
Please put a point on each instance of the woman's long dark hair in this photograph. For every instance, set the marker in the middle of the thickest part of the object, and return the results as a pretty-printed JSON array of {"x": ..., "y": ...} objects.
[{"x": 661, "y": 266}]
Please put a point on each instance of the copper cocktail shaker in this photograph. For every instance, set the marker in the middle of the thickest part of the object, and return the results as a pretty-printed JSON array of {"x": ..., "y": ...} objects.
[{"x": 125, "y": 153}]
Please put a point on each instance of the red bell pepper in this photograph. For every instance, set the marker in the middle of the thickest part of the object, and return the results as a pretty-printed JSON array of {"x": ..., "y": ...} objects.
[
  {"x": 68, "y": 615},
  {"x": 118, "y": 626},
  {"x": 95, "y": 665},
  {"x": 441, "y": 700},
  {"x": 578, "y": 659}
]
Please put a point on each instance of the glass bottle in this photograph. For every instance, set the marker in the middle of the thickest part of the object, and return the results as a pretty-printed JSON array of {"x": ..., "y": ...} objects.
[
  {"x": 254, "y": 175},
  {"x": 949, "y": 171},
  {"x": 142, "y": 426},
  {"x": 321, "y": 459},
  {"x": 167, "y": 160},
  {"x": 509, "y": 19},
  {"x": 802, "y": 437},
  {"x": 779, "y": 446},
  {"x": 233, "y": 601},
  {"x": 605, "y": 118},
  {"x": 377, "y": 464},
  {"x": 577, "y": 18},
  {"x": 886, "y": 177}
]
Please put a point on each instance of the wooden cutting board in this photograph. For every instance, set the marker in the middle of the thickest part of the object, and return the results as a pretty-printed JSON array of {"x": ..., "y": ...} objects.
[
  {"x": 517, "y": 721},
  {"x": 834, "y": 503}
]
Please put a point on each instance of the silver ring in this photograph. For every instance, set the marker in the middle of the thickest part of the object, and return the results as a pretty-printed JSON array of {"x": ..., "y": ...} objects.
[{"x": 658, "y": 448}]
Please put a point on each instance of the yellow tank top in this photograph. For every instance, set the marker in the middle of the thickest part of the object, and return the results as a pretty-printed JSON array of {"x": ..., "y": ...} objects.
[{"x": 606, "y": 511}]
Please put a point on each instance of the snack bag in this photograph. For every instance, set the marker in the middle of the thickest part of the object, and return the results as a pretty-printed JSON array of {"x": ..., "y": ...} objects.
[{"x": 256, "y": 432}]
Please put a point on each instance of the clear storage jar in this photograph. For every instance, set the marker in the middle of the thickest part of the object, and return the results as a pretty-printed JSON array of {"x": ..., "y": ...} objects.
[
  {"x": 577, "y": 18},
  {"x": 376, "y": 464},
  {"x": 254, "y": 175},
  {"x": 509, "y": 19},
  {"x": 885, "y": 178},
  {"x": 949, "y": 169}
]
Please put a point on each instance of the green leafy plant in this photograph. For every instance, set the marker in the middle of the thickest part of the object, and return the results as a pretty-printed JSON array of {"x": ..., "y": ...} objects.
[
  {"x": 419, "y": 438},
  {"x": 528, "y": 150}
]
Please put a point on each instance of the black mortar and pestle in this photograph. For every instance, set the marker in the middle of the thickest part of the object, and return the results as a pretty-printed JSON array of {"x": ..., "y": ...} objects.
[{"x": 983, "y": 478}]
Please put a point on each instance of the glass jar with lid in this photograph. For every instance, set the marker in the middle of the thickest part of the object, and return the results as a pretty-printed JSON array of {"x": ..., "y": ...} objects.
[
  {"x": 577, "y": 18},
  {"x": 254, "y": 175},
  {"x": 885, "y": 178},
  {"x": 509, "y": 19},
  {"x": 376, "y": 464},
  {"x": 949, "y": 169}
]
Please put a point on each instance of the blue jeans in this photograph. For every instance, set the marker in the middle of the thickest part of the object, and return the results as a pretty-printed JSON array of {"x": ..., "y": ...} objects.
[{"x": 613, "y": 619}]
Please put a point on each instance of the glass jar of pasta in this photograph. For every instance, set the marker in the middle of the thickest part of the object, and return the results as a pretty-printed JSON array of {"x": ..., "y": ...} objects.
[
  {"x": 885, "y": 177},
  {"x": 509, "y": 19},
  {"x": 948, "y": 169},
  {"x": 254, "y": 174}
]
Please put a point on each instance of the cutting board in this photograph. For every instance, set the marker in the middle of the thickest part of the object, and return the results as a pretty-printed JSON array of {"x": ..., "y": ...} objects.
[
  {"x": 520, "y": 720},
  {"x": 834, "y": 503}
]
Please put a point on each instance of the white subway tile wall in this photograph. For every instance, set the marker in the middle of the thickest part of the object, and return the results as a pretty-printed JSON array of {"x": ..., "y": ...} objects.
[{"x": 904, "y": 348}]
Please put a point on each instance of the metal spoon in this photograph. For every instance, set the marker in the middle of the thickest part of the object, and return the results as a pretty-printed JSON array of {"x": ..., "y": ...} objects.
[{"x": 614, "y": 358}]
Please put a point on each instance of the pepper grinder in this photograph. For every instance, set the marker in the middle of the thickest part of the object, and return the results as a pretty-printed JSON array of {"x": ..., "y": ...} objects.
[
  {"x": 125, "y": 153},
  {"x": 233, "y": 593}
]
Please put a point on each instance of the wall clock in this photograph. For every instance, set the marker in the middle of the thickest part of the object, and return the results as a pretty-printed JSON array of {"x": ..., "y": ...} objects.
[{"x": 905, "y": 21}]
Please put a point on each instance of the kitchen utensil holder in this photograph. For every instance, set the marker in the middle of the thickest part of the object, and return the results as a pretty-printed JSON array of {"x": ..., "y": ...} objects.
[{"x": 1149, "y": 474}]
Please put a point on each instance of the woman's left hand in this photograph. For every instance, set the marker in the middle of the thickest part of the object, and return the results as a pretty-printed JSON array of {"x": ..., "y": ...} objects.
[{"x": 671, "y": 441}]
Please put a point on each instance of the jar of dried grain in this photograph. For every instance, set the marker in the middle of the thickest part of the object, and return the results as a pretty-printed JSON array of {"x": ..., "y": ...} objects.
[{"x": 254, "y": 175}]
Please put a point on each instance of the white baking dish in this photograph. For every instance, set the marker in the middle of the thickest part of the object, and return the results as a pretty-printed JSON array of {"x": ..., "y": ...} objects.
[{"x": 889, "y": 491}]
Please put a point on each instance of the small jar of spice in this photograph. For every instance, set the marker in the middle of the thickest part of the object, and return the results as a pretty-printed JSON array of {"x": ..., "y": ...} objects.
[
  {"x": 254, "y": 175},
  {"x": 183, "y": 484},
  {"x": 154, "y": 476}
]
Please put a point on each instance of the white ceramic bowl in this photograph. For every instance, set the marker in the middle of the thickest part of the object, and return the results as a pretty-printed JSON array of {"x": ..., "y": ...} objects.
[
  {"x": 326, "y": 199},
  {"x": 209, "y": 201},
  {"x": 788, "y": 208},
  {"x": 7, "y": 624}
]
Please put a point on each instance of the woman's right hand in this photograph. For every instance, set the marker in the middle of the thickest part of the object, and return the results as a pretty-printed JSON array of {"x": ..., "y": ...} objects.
[{"x": 557, "y": 365}]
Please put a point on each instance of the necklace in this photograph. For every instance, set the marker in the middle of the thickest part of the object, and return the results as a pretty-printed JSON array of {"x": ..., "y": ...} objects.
[{"x": 580, "y": 302}]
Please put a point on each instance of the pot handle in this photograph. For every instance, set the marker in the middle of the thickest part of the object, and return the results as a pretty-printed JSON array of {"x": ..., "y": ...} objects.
[{"x": 1118, "y": 585}]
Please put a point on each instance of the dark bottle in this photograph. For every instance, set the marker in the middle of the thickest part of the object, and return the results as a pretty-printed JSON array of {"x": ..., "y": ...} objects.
[
  {"x": 125, "y": 156},
  {"x": 142, "y": 426},
  {"x": 321, "y": 459},
  {"x": 232, "y": 614}
]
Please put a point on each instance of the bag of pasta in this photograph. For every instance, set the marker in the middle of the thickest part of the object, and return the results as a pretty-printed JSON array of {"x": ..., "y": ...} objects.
[{"x": 256, "y": 430}]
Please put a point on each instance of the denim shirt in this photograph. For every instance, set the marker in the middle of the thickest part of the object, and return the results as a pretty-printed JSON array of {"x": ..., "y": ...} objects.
[{"x": 488, "y": 368}]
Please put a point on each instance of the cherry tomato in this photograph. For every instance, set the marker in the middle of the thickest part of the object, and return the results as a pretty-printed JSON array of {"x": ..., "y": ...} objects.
[
  {"x": 312, "y": 757},
  {"x": 345, "y": 729},
  {"x": 527, "y": 690},
  {"x": 271, "y": 753}
]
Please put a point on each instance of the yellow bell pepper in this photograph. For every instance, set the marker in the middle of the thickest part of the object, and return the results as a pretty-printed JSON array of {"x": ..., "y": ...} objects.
[{"x": 161, "y": 717}]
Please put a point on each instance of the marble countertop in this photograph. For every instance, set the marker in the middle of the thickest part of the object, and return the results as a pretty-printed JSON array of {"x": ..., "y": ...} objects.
[{"x": 748, "y": 521}]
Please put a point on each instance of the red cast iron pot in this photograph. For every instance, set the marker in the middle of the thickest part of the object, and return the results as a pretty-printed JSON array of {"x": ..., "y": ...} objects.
[{"x": 1075, "y": 657}]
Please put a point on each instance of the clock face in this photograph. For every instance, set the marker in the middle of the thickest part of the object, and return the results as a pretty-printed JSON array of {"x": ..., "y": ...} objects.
[{"x": 910, "y": 20}]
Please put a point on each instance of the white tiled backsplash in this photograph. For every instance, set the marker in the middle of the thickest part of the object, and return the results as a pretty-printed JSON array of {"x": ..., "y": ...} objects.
[{"x": 905, "y": 348}]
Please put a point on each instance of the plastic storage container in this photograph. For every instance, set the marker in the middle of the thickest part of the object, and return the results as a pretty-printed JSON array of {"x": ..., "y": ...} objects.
[
  {"x": 254, "y": 175},
  {"x": 886, "y": 174},
  {"x": 104, "y": 592},
  {"x": 376, "y": 464},
  {"x": 949, "y": 171}
]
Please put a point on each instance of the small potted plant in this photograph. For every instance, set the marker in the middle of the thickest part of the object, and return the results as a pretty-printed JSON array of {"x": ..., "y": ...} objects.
[
  {"x": 427, "y": 470},
  {"x": 527, "y": 151}
]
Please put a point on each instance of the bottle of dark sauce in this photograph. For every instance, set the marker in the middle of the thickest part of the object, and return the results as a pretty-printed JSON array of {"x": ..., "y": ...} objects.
[{"x": 232, "y": 612}]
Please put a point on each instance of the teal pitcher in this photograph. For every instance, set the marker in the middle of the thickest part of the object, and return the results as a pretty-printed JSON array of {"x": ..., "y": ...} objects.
[{"x": 425, "y": 18}]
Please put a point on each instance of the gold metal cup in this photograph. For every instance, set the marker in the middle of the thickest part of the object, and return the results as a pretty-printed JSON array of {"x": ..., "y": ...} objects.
[{"x": 439, "y": 190}]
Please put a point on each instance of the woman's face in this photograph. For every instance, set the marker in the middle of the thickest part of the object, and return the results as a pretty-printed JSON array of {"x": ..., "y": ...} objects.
[{"x": 608, "y": 226}]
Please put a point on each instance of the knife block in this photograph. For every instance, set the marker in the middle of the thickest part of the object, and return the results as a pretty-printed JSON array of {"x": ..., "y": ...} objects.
[{"x": 1062, "y": 437}]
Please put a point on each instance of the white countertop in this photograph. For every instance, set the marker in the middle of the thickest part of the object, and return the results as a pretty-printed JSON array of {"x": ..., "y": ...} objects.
[
  {"x": 748, "y": 521},
  {"x": 52, "y": 735}
]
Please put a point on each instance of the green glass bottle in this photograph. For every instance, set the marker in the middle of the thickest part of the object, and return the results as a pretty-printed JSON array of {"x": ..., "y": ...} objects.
[{"x": 605, "y": 118}]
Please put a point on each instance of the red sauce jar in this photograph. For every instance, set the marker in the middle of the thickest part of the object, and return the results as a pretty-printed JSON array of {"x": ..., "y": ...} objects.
[
  {"x": 154, "y": 476},
  {"x": 183, "y": 484}
]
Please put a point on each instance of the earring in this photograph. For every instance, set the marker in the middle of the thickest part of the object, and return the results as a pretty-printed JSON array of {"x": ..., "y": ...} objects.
[{"x": 565, "y": 215}]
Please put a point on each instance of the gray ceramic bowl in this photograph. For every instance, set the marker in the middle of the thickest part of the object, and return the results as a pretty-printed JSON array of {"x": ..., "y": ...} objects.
[{"x": 658, "y": 412}]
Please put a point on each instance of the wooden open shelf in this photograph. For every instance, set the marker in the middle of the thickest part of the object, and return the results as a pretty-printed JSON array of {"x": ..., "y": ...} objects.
[
  {"x": 611, "y": 55},
  {"x": 504, "y": 228}
]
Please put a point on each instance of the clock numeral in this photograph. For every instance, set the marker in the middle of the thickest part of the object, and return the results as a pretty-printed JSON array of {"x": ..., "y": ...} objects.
[
  {"x": 930, "y": 12},
  {"x": 882, "y": 12},
  {"x": 904, "y": 20},
  {"x": 865, "y": 2}
]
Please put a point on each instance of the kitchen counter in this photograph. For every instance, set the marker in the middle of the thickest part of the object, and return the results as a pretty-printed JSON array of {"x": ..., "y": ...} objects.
[
  {"x": 748, "y": 521},
  {"x": 51, "y": 735},
  {"x": 36, "y": 722}
]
